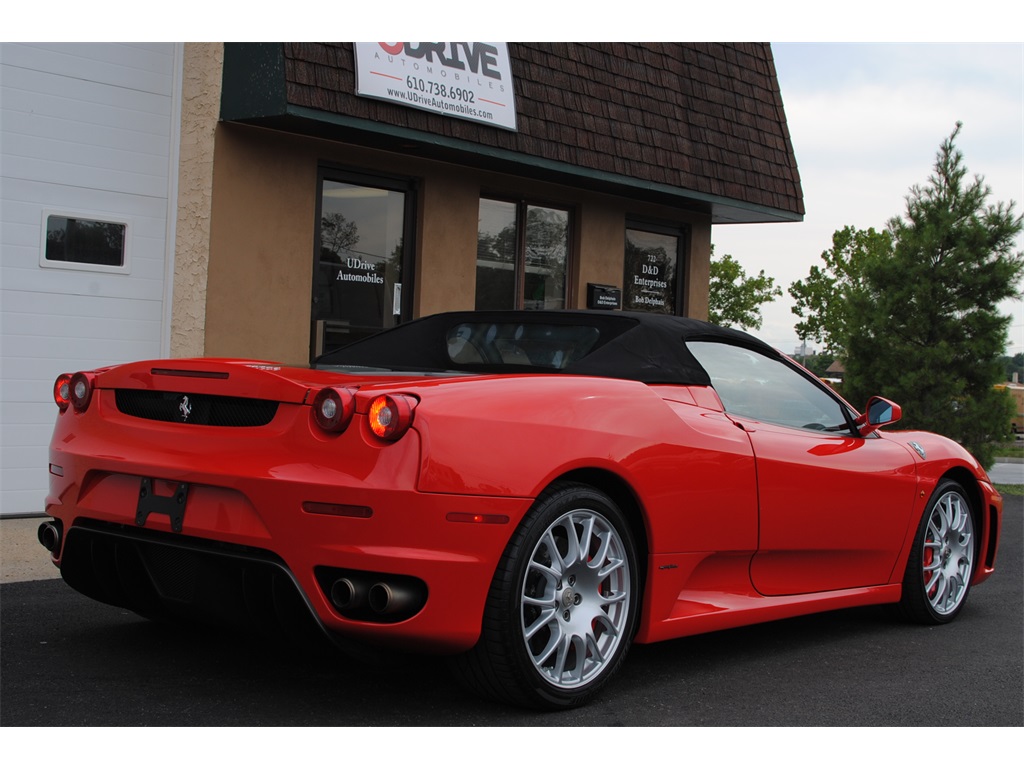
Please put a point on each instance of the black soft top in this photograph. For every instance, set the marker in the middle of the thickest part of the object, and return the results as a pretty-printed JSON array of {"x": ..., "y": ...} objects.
[{"x": 623, "y": 345}]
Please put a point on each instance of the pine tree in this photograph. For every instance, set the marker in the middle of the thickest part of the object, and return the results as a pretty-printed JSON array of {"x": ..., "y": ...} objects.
[{"x": 926, "y": 330}]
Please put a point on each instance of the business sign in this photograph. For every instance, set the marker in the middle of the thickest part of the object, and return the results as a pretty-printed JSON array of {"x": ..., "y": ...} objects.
[
  {"x": 472, "y": 81},
  {"x": 650, "y": 274},
  {"x": 603, "y": 296}
]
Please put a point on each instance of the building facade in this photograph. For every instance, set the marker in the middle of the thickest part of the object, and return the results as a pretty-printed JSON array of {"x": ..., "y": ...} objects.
[{"x": 318, "y": 192}]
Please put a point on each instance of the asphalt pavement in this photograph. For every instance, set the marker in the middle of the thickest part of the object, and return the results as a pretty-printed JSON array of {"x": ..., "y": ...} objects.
[{"x": 69, "y": 661}]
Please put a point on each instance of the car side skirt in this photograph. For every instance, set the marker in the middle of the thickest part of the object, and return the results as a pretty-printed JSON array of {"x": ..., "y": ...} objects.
[{"x": 684, "y": 603}]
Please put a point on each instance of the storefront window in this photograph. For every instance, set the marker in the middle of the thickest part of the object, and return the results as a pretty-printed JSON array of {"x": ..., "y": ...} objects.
[
  {"x": 651, "y": 280},
  {"x": 358, "y": 280},
  {"x": 522, "y": 256}
]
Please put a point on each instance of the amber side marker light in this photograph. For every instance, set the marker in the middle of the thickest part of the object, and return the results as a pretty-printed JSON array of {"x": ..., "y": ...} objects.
[
  {"x": 391, "y": 416},
  {"x": 473, "y": 517}
]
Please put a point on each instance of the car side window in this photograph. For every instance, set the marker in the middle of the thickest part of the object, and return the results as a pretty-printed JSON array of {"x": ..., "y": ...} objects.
[{"x": 754, "y": 385}]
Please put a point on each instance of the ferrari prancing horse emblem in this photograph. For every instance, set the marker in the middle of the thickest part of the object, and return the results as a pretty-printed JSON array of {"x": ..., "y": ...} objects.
[{"x": 185, "y": 408}]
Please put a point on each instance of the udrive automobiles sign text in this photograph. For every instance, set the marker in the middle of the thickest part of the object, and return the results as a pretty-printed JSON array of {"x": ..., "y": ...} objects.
[{"x": 472, "y": 81}]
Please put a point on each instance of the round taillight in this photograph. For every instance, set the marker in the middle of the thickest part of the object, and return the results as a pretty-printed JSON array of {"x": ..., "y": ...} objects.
[
  {"x": 333, "y": 408},
  {"x": 62, "y": 391},
  {"x": 81, "y": 391},
  {"x": 390, "y": 416}
]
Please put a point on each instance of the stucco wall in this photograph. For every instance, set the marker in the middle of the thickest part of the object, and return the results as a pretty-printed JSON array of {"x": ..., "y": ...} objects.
[
  {"x": 261, "y": 246},
  {"x": 263, "y": 227},
  {"x": 699, "y": 282},
  {"x": 200, "y": 107},
  {"x": 446, "y": 244}
]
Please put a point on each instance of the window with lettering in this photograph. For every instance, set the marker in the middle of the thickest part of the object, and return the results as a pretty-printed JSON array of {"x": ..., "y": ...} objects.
[
  {"x": 651, "y": 282},
  {"x": 522, "y": 256},
  {"x": 360, "y": 260}
]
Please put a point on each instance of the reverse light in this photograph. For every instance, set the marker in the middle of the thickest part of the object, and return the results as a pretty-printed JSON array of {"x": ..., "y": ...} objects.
[
  {"x": 81, "y": 391},
  {"x": 333, "y": 408},
  {"x": 391, "y": 416}
]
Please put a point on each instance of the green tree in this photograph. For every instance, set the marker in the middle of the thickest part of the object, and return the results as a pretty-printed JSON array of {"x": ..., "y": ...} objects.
[
  {"x": 735, "y": 298},
  {"x": 921, "y": 324},
  {"x": 1014, "y": 365},
  {"x": 820, "y": 299}
]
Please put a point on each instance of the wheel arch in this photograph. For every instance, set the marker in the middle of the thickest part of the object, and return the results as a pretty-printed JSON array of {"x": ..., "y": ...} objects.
[
  {"x": 985, "y": 520},
  {"x": 625, "y": 498},
  {"x": 969, "y": 483}
]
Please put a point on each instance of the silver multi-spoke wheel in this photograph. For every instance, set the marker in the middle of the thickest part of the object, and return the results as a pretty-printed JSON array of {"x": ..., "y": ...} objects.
[
  {"x": 947, "y": 557},
  {"x": 563, "y": 604},
  {"x": 576, "y": 595},
  {"x": 941, "y": 564}
]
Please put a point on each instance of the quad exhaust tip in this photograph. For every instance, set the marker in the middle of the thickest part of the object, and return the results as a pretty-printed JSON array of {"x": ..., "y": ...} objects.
[
  {"x": 378, "y": 598},
  {"x": 388, "y": 599},
  {"x": 49, "y": 535}
]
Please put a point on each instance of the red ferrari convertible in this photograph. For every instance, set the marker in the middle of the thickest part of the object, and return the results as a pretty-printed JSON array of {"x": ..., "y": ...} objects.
[{"x": 526, "y": 492}]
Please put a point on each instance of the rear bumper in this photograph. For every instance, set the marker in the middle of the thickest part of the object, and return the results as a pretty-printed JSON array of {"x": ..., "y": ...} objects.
[{"x": 245, "y": 510}]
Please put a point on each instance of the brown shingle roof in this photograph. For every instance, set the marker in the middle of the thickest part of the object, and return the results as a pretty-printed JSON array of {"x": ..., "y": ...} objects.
[{"x": 703, "y": 119}]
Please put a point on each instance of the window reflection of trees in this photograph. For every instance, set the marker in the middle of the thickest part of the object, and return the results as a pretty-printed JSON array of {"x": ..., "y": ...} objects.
[
  {"x": 337, "y": 234},
  {"x": 85, "y": 242},
  {"x": 547, "y": 234},
  {"x": 541, "y": 265}
]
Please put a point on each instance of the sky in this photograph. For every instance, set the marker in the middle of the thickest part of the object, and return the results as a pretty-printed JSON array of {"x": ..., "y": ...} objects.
[{"x": 866, "y": 121}]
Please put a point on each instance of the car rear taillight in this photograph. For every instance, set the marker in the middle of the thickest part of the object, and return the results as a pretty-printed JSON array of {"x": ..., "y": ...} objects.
[
  {"x": 73, "y": 389},
  {"x": 62, "y": 391},
  {"x": 333, "y": 408},
  {"x": 81, "y": 391},
  {"x": 391, "y": 416}
]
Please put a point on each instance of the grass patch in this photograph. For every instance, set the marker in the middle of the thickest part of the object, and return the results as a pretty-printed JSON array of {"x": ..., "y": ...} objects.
[
  {"x": 1014, "y": 450},
  {"x": 1010, "y": 490}
]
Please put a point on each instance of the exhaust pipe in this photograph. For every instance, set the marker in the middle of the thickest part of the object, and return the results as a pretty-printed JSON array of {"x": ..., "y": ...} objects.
[
  {"x": 388, "y": 598},
  {"x": 348, "y": 595},
  {"x": 49, "y": 535}
]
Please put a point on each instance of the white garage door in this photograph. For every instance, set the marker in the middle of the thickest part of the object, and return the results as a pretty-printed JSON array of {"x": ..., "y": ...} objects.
[{"x": 88, "y": 173}]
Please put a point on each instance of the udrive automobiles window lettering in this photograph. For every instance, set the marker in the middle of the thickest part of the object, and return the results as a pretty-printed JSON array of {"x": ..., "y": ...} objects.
[{"x": 463, "y": 79}]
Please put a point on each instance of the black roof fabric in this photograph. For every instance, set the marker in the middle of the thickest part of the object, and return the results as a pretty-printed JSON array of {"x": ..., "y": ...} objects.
[{"x": 632, "y": 345}]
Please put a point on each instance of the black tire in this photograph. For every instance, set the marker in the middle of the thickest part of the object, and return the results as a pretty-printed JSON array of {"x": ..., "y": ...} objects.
[
  {"x": 556, "y": 629},
  {"x": 941, "y": 564}
]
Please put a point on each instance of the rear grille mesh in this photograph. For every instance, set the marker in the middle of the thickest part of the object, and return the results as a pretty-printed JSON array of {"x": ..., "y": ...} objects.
[{"x": 186, "y": 408}]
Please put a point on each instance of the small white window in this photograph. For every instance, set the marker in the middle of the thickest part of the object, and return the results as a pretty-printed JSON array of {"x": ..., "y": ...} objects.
[{"x": 85, "y": 241}]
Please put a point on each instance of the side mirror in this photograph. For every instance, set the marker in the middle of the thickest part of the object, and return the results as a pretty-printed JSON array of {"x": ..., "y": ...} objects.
[{"x": 878, "y": 413}]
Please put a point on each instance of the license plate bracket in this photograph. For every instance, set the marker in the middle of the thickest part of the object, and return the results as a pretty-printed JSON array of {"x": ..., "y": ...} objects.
[{"x": 151, "y": 504}]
